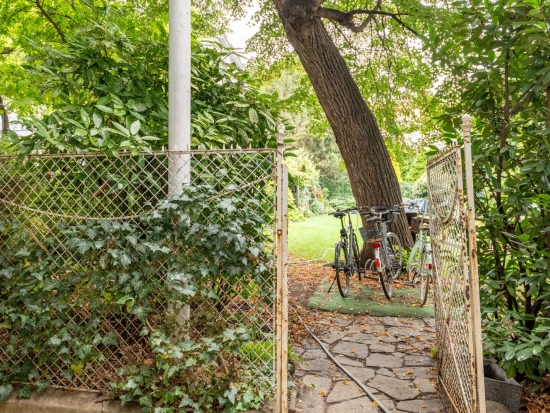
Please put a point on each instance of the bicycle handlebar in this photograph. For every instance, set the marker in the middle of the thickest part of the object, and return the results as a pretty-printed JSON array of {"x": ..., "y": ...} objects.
[
  {"x": 378, "y": 210},
  {"x": 348, "y": 210}
]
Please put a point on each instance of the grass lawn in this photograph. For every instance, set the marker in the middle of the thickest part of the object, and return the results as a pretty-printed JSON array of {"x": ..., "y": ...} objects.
[{"x": 310, "y": 239}]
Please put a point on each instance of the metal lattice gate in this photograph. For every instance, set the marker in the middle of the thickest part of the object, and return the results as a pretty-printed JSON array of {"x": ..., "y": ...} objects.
[{"x": 452, "y": 230}]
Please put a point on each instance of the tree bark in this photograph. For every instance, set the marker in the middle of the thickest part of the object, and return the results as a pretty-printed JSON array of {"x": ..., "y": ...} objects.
[
  {"x": 5, "y": 119},
  {"x": 372, "y": 177}
]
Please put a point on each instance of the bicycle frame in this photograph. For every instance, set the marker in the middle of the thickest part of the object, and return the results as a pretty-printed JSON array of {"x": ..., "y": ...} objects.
[
  {"x": 348, "y": 243},
  {"x": 384, "y": 246},
  {"x": 422, "y": 241},
  {"x": 347, "y": 238}
]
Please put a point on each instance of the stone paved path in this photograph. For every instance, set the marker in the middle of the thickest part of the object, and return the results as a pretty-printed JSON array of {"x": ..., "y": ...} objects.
[{"x": 391, "y": 356}]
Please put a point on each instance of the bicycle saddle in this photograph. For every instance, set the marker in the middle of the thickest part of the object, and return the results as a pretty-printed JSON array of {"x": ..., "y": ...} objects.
[{"x": 338, "y": 214}]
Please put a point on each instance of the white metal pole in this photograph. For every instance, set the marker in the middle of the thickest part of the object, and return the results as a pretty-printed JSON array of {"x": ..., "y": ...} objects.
[
  {"x": 179, "y": 115},
  {"x": 179, "y": 76},
  {"x": 281, "y": 399},
  {"x": 474, "y": 276}
]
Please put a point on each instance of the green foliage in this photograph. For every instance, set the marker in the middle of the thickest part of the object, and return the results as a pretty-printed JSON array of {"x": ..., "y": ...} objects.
[
  {"x": 498, "y": 60},
  {"x": 193, "y": 375},
  {"x": 386, "y": 61},
  {"x": 130, "y": 270},
  {"x": 108, "y": 92},
  {"x": 339, "y": 203},
  {"x": 55, "y": 22},
  {"x": 98, "y": 80}
]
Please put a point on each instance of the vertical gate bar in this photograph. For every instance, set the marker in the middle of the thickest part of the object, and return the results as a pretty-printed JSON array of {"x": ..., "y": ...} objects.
[
  {"x": 474, "y": 276},
  {"x": 466, "y": 278},
  {"x": 281, "y": 397}
]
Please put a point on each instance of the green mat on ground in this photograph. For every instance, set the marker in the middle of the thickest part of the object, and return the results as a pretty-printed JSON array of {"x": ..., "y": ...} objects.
[{"x": 367, "y": 299}]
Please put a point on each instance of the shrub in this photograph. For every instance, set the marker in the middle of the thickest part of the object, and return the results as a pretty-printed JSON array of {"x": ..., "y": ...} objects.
[
  {"x": 317, "y": 207},
  {"x": 55, "y": 307}
]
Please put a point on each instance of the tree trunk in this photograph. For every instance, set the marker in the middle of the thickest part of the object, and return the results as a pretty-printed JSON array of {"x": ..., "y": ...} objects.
[
  {"x": 372, "y": 177},
  {"x": 5, "y": 119}
]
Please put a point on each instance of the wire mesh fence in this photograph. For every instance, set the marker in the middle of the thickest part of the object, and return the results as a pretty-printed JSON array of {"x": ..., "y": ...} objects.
[
  {"x": 448, "y": 229},
  {"x": 48, "y": 193}
]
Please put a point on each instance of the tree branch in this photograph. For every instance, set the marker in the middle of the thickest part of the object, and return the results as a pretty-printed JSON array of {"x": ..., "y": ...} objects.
[
  {"x": 346, "y": 18},
  {"x": 54, "y": 24},
  {"x": 522, "y": 100}
]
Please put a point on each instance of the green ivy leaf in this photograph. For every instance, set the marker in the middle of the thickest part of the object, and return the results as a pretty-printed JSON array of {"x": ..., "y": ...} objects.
[
  {"x": 231, "y": 395},
  {"x": 42, "y": 385},
  {"x": 54, "y": 341},
  {"x": 25, "y": 392},
  {"x": 5, "y": 391},
  {"x": 77, "y": 368}
]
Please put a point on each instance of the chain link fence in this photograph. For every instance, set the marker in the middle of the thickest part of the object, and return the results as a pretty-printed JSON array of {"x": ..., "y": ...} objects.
[
  {"x": 452, "y": 283},
  {"x": 48, "y": 192}
]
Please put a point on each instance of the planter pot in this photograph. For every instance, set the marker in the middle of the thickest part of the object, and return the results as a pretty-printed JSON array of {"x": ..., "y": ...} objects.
[{"x": 499, "y": 388}]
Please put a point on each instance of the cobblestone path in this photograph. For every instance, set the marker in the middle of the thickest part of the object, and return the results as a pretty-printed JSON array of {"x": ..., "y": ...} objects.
[{"x": 391, "y": 356}]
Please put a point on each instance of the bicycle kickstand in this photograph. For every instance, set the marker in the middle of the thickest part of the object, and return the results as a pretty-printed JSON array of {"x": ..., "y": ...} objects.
[{"x": 331, "y": 285}]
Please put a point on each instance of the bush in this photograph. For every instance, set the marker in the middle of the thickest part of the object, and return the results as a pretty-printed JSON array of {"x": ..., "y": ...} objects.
[
  {"x": 406, "y": 190},
  {"x": 317, "y": 207},
  {"x": 339, "y": 203},
  {"x": 57, "y": 307},
  {"x": 307, "y": 213}
]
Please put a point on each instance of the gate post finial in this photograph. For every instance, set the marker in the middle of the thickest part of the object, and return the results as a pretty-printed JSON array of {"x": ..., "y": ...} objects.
[{"x": 466, "y": 124}]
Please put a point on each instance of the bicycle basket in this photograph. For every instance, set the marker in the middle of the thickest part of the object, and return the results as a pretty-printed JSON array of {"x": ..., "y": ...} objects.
[
  {"x": 415, "y": 223},
  {"x": 372, "y": 233}
]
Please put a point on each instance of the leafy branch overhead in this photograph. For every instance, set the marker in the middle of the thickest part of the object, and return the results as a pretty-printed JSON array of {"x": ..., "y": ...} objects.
[{"x": 104, "y": 88}]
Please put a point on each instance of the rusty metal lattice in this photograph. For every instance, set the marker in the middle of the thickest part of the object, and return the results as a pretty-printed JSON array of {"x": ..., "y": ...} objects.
[
  {"x": 452, "y": 283},
  {"x": 44, "y": 191}
]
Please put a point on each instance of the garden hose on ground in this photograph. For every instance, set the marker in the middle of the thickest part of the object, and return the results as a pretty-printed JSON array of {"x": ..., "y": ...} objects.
[
  {"x": 347, "y": 373},
  {"x": 355, "y": 379}
]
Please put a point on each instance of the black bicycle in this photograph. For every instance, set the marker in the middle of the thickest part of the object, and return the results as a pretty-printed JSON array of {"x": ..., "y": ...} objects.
[
  {"x": 346, "y": 252},
  {"x": 386, "y": 246}
]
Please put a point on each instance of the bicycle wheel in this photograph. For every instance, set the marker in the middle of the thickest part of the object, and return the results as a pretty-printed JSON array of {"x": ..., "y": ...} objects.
[
  {"x": 342, "y": 272},
  {"x": 424, "y": 277},
  {"x": 355, "y": 257},
  {"x": 385, "y": 275},
  {"x": 395, "y": 253},
  {"x": 414, "y": 262}
]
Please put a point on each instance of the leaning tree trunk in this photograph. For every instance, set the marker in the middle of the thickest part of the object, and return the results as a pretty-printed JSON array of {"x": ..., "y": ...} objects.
[
  {"x": 372, "y": 177},
  {"x": 5, "y": 119}
]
